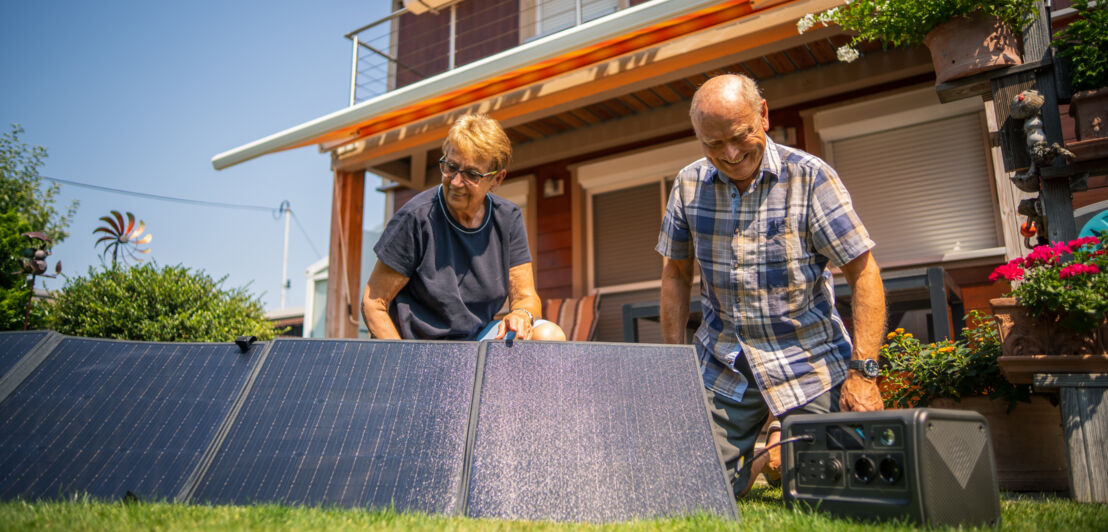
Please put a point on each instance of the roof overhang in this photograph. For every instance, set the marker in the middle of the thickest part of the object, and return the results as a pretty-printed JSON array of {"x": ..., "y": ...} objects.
[{"x": 625, "y": 32}]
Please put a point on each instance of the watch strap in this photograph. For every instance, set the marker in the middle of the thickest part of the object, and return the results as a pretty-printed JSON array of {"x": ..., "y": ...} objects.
[
  {"x": 527, "y": 312},
  {"x": 867, "y": 367}
]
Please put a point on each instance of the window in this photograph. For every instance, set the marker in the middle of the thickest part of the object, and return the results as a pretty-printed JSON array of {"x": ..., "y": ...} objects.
[
  {"x": 518, "y": 191},
  {"x": 625, "y": 230},
  {"x": 917, "y": 174},
  {"x": 625, "y": 198},
  {"x": 624, "y": 202},
  {"x": 539, "y": 18}
]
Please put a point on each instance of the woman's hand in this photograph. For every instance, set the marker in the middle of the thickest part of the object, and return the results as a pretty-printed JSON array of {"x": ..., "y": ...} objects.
[{"x": 518, "y": 320}]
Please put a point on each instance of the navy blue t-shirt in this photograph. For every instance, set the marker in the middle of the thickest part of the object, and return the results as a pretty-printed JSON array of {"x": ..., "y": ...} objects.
[{"x": 458, "y": 277}]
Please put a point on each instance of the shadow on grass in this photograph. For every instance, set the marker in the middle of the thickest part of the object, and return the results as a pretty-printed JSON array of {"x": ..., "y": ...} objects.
[{"x": 763, "y": 494}]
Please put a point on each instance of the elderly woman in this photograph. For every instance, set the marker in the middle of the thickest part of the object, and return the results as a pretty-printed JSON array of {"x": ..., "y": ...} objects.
[{"x": 451, "y": 255}]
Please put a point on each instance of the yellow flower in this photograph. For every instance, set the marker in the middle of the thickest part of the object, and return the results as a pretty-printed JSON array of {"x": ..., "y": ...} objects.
[
  {"x": 890, "y": 336},
  {"x": 907, "y": 335},
  {"x": 899, "y": 330}
]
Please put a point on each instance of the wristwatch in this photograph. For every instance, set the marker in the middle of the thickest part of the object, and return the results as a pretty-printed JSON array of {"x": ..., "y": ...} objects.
[
  {"x": 528, "y": 313},
  {"x": 867, "y": 366}
]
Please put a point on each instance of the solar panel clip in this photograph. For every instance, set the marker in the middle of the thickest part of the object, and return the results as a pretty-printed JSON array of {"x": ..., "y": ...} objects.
[{"x": 244, "y": 342}]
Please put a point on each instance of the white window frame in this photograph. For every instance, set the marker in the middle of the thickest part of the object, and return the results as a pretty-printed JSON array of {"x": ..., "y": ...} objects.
[
  {"x": 315, "y": 273},
  {"x": 531, "y": 17},
  {"x": 626, "y": 171},
  {"x": 896, "y": 111},
  {"x": 521, "y": 191}
]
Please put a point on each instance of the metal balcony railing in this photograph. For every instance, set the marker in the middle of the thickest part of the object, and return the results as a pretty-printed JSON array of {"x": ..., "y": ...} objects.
[{"x": 403, "y": 47}]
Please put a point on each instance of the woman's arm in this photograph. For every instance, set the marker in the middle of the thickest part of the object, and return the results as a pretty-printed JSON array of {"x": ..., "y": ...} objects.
[
  {"x": 383, "y": 285},
  {"x": 521, "y": 295}
]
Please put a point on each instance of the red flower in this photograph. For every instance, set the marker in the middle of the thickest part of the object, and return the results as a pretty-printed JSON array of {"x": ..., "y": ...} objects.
[
  {"x": 1044, "y": 254},
  {"x": 1010, "y": 272},
  {"x": 1074, "y": 270},
  {"x": 1074, "y": 244}
]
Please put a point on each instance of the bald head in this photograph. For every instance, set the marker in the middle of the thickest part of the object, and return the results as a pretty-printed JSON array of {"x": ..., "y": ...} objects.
[{"x": 728, "y": 90}]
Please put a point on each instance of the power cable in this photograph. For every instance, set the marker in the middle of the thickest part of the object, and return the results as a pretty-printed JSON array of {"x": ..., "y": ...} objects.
[
  {"x": 304, "y": 232},
  {"x": 160, "y": 197},
  {"x": 276, "y": 212}
]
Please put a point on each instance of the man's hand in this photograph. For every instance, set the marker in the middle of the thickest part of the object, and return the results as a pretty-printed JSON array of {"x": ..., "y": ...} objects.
[{"x": 859, "y": 394}]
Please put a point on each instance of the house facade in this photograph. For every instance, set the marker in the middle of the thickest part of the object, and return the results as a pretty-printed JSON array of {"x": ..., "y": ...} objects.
[{"x": 595, "y": 95}]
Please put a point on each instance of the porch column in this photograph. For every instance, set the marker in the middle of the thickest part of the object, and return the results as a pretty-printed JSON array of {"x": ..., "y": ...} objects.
[{"x": 345, "y": 256}]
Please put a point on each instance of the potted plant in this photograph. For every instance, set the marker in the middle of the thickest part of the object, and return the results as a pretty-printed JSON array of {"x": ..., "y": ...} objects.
[
  {"x": 1084, "y": 44},
  {"x": 1056, "y": 318},
  {"x": 963, "y": 374},
  {"x": 917, "y": 374},
  {"x": 964, "y": 37}
]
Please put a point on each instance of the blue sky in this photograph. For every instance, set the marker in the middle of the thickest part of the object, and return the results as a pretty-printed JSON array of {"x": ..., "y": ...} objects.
[{"x": 140, "y": 96}]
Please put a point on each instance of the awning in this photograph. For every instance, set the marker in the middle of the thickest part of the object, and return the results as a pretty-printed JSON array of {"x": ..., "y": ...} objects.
[{"x": 603, "y": 39}]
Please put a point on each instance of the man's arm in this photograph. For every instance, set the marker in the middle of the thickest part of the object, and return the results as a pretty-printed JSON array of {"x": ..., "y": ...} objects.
[
  {"x": 521, "y": 295},
  {"x": 383, "y": 285},
  {"x": 677, "y": 278},
  {"x": 868, "y": 308}
]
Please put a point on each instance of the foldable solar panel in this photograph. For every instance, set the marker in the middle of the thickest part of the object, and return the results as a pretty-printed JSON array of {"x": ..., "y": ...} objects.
[
  {"x": 593, "y": 432},
  {"x": 106, "y": 417},
  {"x": 14, "y": 345},
  {"x": 352, "y": 423}
]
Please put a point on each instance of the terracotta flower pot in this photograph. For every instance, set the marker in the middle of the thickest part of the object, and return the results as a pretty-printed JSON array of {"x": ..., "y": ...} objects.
[
  {"x": 1090, "y": 114},
  {"x": 1032, "y": 345},
  {"x": 965, "y": 46}
]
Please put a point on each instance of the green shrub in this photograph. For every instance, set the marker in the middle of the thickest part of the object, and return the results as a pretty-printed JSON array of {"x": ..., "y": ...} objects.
[
  {"x": 14, "y": 290},
  {"x": 169, "y": 304},
  {"x": 1085, "y": 41}
]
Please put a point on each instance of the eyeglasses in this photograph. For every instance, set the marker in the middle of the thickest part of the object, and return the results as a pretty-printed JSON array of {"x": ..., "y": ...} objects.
[{"x": 473, "y": 177}]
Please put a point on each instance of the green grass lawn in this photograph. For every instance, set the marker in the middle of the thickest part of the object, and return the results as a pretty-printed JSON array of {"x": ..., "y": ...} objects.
[{"x": 762, "y": 510}]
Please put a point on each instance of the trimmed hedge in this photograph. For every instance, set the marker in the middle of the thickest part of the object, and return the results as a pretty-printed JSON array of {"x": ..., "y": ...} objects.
[{"x": 169, "y": 304}]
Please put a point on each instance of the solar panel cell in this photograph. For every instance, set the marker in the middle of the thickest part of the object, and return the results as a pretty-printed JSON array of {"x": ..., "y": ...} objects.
[{"x": 353, "y": 423}]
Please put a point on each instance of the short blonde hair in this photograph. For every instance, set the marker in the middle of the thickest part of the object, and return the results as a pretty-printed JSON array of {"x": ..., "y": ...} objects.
[{"x": 480, "y": 136}]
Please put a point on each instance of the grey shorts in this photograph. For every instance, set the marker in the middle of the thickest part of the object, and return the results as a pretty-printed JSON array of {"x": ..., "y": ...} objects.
[{"x": 735, "y": 425}]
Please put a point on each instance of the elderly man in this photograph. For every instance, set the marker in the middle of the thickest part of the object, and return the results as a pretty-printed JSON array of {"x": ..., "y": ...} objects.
[
  {"x": 451, "y": 256},
  {"x": 765, "y": 223}
]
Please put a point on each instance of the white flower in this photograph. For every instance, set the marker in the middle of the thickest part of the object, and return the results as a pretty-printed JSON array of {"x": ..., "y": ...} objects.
[
  {"x": 828, "y": 16},
  {"x": 846, "y": 53},
  {"x": 806, "y": 23}
]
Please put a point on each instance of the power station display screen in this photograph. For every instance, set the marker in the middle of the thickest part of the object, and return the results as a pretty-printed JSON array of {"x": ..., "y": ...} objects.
[{"x": 846, "y": 437}]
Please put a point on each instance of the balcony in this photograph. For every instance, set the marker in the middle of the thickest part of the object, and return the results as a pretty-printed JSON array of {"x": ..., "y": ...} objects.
[{"x": 417, "y": 42}]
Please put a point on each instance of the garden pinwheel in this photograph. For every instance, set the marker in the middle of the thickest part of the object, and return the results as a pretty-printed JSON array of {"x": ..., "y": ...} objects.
[{"x": 122, "y": 236}]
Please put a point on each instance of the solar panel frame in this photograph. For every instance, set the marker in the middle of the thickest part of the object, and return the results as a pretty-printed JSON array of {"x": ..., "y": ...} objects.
[
  {"x": 15, "y": 344},
  {"x": 599, "y": 432},
  {"x": 106, "y": 417},
  {"x": 20, "y": 353},
  {"x": 304, "y": 437}
]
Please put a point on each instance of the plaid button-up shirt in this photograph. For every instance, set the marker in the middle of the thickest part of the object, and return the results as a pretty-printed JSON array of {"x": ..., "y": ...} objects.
[{"x": 766, "y": 287}]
